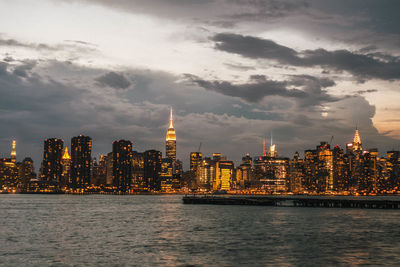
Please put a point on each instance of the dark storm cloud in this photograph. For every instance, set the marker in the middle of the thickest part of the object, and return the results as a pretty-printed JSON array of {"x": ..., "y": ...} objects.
[
  {"x": 114, "y": 80},
  {"x": 251, "y": 92},
  {"x": 23, "y": 69},
  {"x": 312, "y": 91},
  {"x": 360, "y": 65},
  {"x": 224, "y": 13}
]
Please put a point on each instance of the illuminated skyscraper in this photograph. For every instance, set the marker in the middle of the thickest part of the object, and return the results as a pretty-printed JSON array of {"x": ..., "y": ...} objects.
[
  {"x": 152, "y": 169},
  {"x": 51, "y": 166},
  {"x": 81, "y": 151},
  {"x": 272, "y": 150},
  {"x": 170, "y": 140},
  {"x": 296, "y": 170},
  {"x": 66, "y": 168},
  {"x": 325, "y": 167},
  {"x": 166, "y": 174},
  {"x": 205, "y": 174},
  {"x": 138, "y": 170},
  {"x": 26, "y": 171},
  {"x": 195, "y": 159},
  {"x": 13, "y": 152},
  {"x": 224, "y": 175},
  {"x": 122, "y": 164},
  {"x": 357, "y": 145}
]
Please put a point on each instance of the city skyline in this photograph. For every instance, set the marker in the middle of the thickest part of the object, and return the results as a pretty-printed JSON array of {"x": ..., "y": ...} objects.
[
  {"x": 232, "y": 71},
  {"x": 264, "y": 149}
]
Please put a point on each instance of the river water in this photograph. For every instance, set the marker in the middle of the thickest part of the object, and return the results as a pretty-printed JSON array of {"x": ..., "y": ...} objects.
[{"x": 104, "y": 230}]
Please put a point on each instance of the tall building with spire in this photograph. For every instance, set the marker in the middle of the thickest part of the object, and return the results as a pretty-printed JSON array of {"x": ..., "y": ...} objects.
[
  {"x": 170, "y": 140},
  {"x": 13, "y": 152},
  {"x": 272, "y": 150},
  {"x": 357, "y": 141},
  {"x": 66, "y": 168}
]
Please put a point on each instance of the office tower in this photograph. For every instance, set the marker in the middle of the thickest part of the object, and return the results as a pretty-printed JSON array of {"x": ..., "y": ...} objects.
[
  {"x": 13, "y": 152},
  {"x": 26, "y": 171},
  {"x": 170, "y": 140},
  {"x": 244, "y": 171},
  {"x": 8, "y": 174},
  {"x": 122, "y": 164},
  {"x": 205, "y": 174},
  {"x": 367, "y": 182},
  {"x": 355, "y": 161},
  {"x": 272, "y": 150},
  {"x": 66, "y": 169},
  {"x": 216, "y": 156},
  {"x": 271, "y": 174},
  {"x": 81, "y": 155},
  {"x": 51, "y": 166},
  {"x": 177, "y": 174},
  {"x": 94, "y": 173},
  {"x": 152, "y": 169},
  {"x": 102, "y": 171},
  {"x": 109, "y": 169},
  {"x": 393, "y": 168},
  {"x": 166, "y": 174},
  {"x": 296, "y": 170},
  {"x": 138, "y": 180},
  {"x": 324, "y": 180},
  {"x": 340, "y": 174},
  {"x": 195, "y": 159},
  {"x": 310, "y": 169},
  {"x": 224, "y": 175}
]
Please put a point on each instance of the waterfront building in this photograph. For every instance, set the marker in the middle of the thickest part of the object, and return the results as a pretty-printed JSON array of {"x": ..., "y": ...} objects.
[
  {"x": 26, "y": 171},
  {"x": 138, "y": 179},
  {"x": 177, "y": 174},
  {"x": 205, "y": 174},
  {"x": 295, "y": 175},
  {"x": 122, "y": 164},
  {"x": 271, "y": 174},
  {"x": 152, "y": 169},
  {"x": 51, "y": 165},
  {"x": 224, "y": 175},
  {"x": 170, "y": 140},
  {"x": 393, "y": 168},
  {"x": 340, "y": 174},
  {"x": 166, "y": 174},
  {"x": 325, "y": 168},
  {"x": 102, "y": 171},
  {"x": 109, "y": 169},
  {"x": 8, "y": 174},
  {"x": 81, "y": 151},
  {"x": 244, "y": 172},
  {"x": 367, "y": 182}
]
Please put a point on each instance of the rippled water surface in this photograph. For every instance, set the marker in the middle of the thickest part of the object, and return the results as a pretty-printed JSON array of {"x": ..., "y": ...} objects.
[{"x": 59, "y": 230}]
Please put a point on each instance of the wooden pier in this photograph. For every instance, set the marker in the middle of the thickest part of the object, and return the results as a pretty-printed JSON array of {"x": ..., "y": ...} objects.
[
  {"x": 293, "y": 201},
  {"x": 217, "y": 200}
]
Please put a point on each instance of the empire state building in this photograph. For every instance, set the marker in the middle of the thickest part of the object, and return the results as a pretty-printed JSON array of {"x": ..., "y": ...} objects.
[{"x": 170, "y": 140}]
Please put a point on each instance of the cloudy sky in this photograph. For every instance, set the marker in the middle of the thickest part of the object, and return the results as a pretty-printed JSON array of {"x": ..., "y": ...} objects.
[{"x": 233, "y": 71}]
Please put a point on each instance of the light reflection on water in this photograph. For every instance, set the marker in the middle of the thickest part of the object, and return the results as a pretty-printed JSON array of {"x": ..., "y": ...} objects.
[{"x": 159, "y": 230}]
